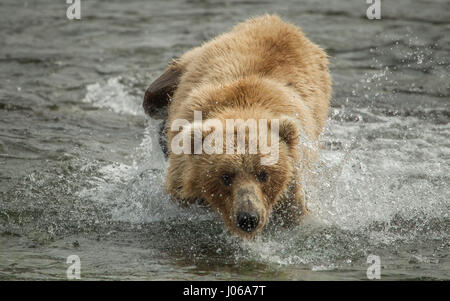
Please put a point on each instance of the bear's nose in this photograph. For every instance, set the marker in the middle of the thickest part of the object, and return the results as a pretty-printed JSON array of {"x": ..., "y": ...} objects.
[{"x": 247, "y": 221}]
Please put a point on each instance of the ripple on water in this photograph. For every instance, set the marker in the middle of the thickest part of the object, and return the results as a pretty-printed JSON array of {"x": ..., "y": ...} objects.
[{"x": 365, "y": 196}]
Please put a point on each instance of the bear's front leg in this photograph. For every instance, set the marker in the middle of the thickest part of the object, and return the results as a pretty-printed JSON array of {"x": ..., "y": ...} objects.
[
  {"x": 291, "y": 208},
  {"x": 176, "y": 186}
]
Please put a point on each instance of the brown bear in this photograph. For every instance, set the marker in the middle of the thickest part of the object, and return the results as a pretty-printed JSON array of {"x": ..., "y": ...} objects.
[{"x": 263, "y": 69}]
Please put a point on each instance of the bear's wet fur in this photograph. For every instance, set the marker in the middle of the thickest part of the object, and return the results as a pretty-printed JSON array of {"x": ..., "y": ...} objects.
[{"x": 263, "y": 68}]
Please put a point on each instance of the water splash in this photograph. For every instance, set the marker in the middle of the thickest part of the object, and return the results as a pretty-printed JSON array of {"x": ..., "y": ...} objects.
[
  {"x": 113, "y": 95},
  {"x": 364, "y": 193}
]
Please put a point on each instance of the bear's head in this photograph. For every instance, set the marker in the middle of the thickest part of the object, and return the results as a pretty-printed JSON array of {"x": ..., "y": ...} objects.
[{"x": 242, "y": 182}]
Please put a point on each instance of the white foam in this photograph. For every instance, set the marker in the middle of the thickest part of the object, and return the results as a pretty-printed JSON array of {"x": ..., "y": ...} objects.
[
  {"x": 369, "y": 185},
  {"x": 136, "y": 193},
  {"x": 360, "y": 185},
  {"x": 113, "y": 95},
  {"x": 354, "y": 186}
]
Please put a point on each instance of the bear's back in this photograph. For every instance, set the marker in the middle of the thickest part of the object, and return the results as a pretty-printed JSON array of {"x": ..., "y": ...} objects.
[{"x": 265, "y": 47}]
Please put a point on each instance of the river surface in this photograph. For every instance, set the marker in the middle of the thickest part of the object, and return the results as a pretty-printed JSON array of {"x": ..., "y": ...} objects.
[{"x": 81, "y": 172}]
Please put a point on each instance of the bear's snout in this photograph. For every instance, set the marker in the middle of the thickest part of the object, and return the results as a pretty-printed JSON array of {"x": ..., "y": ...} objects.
[
  {"x": 247, "y": 221},
  {"x": 248, "y": 209}
]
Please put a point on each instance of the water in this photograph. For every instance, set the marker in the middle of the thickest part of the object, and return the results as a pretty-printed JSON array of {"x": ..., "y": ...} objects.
[{"x": 81, "y": 172}]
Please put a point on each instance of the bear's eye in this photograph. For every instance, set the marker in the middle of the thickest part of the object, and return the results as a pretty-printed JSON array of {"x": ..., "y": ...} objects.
[
  {"x": 227, "y": 179},
  {"x": 262, "y": 176}
]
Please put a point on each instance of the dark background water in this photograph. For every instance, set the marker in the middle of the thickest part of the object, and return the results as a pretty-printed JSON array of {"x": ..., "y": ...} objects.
[{"x": 80, "y": 172}]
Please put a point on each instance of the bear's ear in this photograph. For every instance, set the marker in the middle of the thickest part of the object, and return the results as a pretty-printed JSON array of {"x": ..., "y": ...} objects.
[
  {"x": 288, "y": 132},
  {"x": 158, "y": 94}
]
